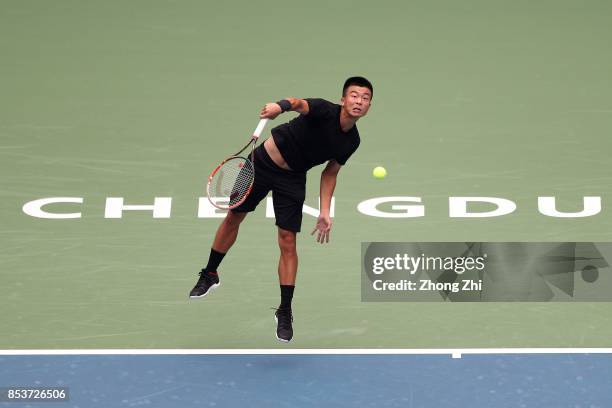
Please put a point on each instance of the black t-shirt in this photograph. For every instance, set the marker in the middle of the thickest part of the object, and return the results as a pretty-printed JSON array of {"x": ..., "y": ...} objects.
[{"x": 309, "y": 140}]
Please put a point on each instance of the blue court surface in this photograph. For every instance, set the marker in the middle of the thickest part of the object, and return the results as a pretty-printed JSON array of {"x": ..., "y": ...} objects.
[{"x": 508, "y": 380}]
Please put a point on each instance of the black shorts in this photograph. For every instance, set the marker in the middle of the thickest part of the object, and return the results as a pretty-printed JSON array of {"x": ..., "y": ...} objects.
[{"x": 288, "y": 191}]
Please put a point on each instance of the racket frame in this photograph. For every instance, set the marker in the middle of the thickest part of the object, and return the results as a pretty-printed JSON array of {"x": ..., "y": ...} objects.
[{"x": 252, "y": 142}]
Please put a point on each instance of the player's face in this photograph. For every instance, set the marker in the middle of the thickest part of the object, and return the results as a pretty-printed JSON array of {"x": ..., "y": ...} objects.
[{"x": 356, "y": 101}]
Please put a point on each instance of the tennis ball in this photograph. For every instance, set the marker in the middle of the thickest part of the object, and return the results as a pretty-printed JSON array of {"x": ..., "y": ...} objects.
[{"x": 379, "y": 172}]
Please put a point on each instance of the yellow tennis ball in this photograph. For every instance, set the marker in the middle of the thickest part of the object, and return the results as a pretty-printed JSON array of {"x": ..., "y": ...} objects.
[{"x": 379, "y": 172}]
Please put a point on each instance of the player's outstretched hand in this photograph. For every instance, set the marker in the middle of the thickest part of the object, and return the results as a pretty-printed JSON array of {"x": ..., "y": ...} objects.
[
  {"x": 270, "y": 111},
  {"x": 324, "y": 224}
]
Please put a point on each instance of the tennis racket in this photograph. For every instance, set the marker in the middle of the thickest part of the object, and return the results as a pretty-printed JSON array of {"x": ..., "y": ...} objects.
[{"x": 230, "y": 183}]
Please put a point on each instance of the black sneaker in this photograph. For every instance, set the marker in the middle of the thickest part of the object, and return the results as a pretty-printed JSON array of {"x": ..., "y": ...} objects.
[
  {"x": 206, "y": 284},
  {"x": 284, "y": 328}
]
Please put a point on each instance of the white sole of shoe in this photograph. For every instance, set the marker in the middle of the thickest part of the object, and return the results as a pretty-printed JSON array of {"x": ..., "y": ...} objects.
[{"x": 211, "y": 289}]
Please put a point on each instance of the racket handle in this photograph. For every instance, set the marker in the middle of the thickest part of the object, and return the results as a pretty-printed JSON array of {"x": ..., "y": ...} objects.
[{"x": 260, "y": 127}]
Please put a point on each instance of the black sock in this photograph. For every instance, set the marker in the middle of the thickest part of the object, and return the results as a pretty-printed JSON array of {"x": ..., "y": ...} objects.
[
  {"x": 286, "y": 296},
  {"x": 213, "y": 261}
]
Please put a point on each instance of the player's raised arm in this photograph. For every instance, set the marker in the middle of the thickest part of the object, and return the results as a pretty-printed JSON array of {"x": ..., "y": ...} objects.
[{"x": 273, "y": 109}]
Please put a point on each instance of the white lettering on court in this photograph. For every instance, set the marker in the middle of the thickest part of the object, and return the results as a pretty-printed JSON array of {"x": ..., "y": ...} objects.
[
  {"x": 34, "y": 208},
  {"x": 162, "y": 207}
]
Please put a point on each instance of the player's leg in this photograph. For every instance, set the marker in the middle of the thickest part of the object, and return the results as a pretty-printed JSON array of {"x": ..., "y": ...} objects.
[
  {"x": 288, "y": 194},
  {"x": 288, "y": 262},
  {"x": 287, "y": 271},
  {"x": 227, "y": 232},
  {"x": 224, "y": 239},
  {"x": 226, "y": 235}
]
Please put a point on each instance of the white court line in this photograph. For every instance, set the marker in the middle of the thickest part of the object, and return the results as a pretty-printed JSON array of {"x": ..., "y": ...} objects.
[{"x": 454, "y": 353}]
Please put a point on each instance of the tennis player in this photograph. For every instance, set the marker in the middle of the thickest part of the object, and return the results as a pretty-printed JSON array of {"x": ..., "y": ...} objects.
[{"x": 323, "y": 132}]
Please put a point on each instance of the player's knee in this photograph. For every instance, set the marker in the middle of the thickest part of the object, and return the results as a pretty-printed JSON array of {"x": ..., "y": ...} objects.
[{"x": 286, "y": 241}]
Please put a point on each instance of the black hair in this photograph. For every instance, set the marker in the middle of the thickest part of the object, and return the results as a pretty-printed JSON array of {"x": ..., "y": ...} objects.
[{"x": 358, "y": 81}]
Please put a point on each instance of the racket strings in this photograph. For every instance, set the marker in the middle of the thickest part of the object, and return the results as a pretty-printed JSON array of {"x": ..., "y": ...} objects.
[{"x": 233, "y": 180}]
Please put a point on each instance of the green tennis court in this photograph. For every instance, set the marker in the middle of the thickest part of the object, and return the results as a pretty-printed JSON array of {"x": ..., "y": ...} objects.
[{"x": 141, "y": 99}]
